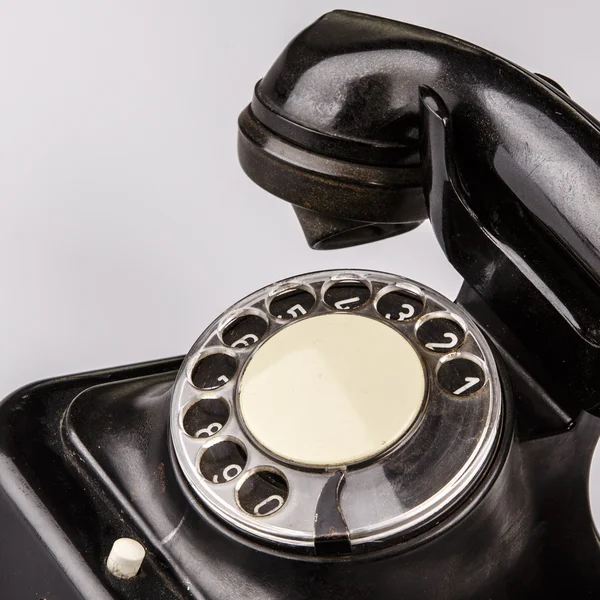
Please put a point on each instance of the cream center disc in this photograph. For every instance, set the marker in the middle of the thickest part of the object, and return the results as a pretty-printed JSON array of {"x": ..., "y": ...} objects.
[{"x": 332, "y": 390}]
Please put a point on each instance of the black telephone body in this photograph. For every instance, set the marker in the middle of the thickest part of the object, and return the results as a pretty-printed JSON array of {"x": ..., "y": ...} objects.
[{"x": 352, "y": 434}]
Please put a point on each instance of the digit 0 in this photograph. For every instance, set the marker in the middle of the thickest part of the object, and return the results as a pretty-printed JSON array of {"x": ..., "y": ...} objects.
[
  {"x": 275, "y": 498},
  {"x": 231, "y": 472}
]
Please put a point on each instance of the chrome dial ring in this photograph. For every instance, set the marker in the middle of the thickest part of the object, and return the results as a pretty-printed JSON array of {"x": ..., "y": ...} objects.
[{"x": 413, "y": 481}]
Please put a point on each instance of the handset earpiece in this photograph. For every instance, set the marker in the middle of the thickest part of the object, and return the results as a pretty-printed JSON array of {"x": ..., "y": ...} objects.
[
  {"x": 339, "y": 202},
  {"x": 327, "y": 132}
]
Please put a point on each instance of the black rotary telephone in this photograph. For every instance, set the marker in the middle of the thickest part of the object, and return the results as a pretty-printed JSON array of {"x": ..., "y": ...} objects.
[{"x": 352, "y": 434}]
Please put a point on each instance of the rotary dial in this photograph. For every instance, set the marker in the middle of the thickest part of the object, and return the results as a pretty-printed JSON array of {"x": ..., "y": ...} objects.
[{"x": 336, "y": 411}]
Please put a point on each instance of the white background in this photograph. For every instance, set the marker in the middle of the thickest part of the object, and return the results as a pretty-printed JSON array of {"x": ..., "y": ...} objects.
[{"x": 126, "y": 224}]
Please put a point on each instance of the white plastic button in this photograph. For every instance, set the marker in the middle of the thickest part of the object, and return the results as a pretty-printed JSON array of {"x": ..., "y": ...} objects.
[
  {"x": 125, "y": 558},
  {"x": 332, "y": 390}
]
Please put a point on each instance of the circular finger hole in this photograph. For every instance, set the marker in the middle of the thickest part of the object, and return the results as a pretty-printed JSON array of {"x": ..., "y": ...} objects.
[
  {"x": 291, "y": 304},
  {"x": 441, "y": 334},
  {"x": 244, "y": 331},
  {"x": 399, "y": 306},
  {"x": 213, "y": 371},
  {"x": 222, "y": 461},
  {"x": 205, "y": 417},
  {"x": 262, "y": 492},
  {"x": 461, "y": 376},
  {"x": 347, "y": 295}
]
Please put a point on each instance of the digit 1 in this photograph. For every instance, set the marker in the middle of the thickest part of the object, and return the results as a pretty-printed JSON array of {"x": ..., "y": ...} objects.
[{"x": 469, "y": 383}]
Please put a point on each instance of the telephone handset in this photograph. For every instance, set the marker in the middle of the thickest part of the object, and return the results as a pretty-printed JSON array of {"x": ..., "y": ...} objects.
[
  {"x": 368, "y": 126},
  {"x": 353, "y": 434}
]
